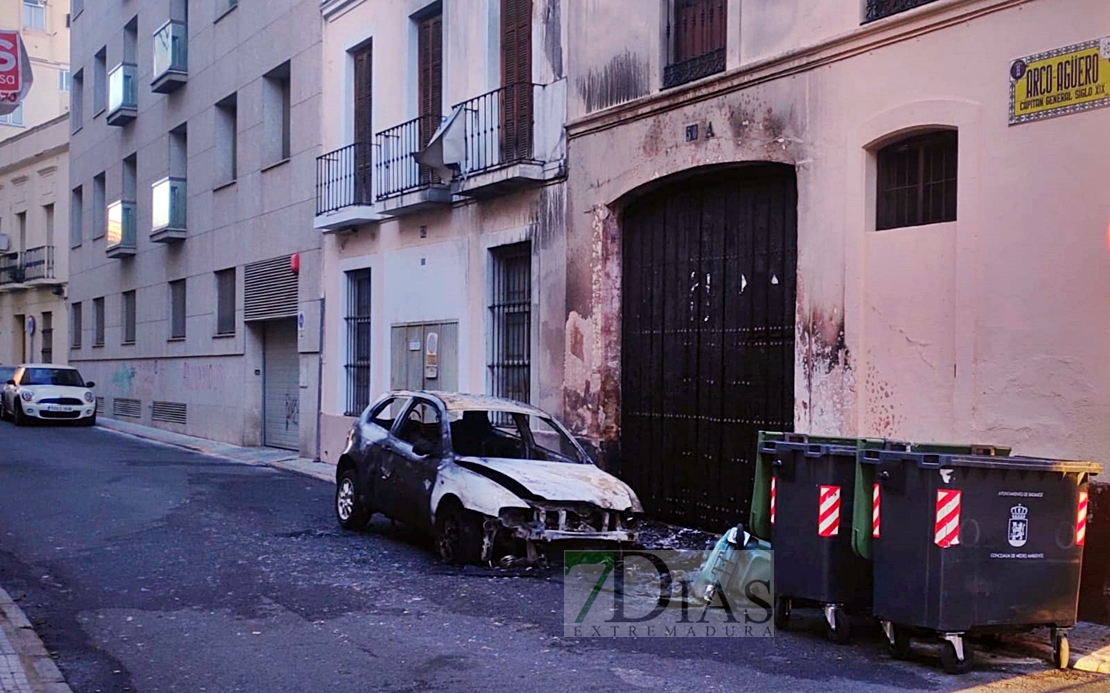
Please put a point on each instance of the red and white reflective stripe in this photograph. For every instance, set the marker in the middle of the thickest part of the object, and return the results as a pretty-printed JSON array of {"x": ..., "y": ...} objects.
[
  {"x": 875, "y": 512},
  {"x": 1081, "y": 520},
  {"x": 947, "y": 529},
  {"x": 773, "y": 500},
  {"x": 828, "y": 512}
]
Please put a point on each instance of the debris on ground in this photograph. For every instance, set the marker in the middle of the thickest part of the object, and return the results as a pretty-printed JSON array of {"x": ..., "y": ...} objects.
[{"x": 655, "y": 534}]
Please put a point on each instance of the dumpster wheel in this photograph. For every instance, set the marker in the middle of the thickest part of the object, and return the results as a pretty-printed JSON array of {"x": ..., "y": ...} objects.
[
  {"x": 898, "y": 642},
  {"x": 838, "y": 627},
  {"x": 782, "y": 613},
  {"x": 954, "y": 645},
  {"x": 1061, "y": 649}
]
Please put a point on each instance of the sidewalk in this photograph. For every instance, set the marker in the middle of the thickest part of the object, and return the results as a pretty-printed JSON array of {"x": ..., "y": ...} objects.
[
  {"x": 1090, "y": 643},
  {"x": 25, "y": 665}
]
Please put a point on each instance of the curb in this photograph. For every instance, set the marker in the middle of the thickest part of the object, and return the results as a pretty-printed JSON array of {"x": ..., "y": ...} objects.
[
  {"x": 41, "y": 671},
  {"x": 1090, "y": 663}
]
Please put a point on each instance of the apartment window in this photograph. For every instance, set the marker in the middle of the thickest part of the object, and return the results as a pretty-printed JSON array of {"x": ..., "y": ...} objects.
[
  {"x": 76, "y": 217},
  {"x": 100, "y": 206},
  {"x": 14, "y": 118},
  {"x": 430, "y": 73},
  {"x": 48, "y": 215},
  {"x": 130, "y": 178},
  {"x": 227, "y": 140},
  {"x": 363, "y": 119},
  {"x": 510, "y": 365},
  {"x": 34, "y": 15},
  {"x": 75, "y": 325},
  {"x": 878, "y": 9},
  {"x": 48, "y": 337},
  {"x": 65, "y": 81},
  {"x": 516, "y": 80},
  {"x": 277, "y": 113},
  {"x": 696, "y": 37},
  {"x": 98, "y": 322},
  {"x": 21, "y": 221},
  {"x": 77, "y": 100},
  {"x": 917, "y": 181},
  {"x": 177, "y": 309},
  {"x": 225, "y": 302},
  {"x": 128, "y": 317},
  {"x": 358, "y": 341},
  {"x": 100, "y": 82},
  {"x": 76, "y": 7},
  {"x": 131, "y": 40}
]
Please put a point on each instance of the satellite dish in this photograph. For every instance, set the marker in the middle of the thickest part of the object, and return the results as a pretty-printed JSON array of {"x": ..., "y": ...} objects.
[{"x": 5, "y": 243}]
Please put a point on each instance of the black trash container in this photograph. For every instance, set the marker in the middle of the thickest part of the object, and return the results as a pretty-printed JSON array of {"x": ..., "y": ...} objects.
[
  {"x": 970, "y": 543},
  {"x": 815, "y": 564}
]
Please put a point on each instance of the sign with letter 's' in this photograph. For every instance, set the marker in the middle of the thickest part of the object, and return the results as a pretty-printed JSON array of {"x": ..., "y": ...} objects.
[
  {"x": 1060, "y": 82},
  {"x": 15, "y": 71}
]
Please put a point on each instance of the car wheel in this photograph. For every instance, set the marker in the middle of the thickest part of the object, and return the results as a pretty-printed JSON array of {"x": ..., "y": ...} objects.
[
  {"x": 18, "y": 417},
  {"x": 458, "y": 534},
  {"x": 349, "y": 510},
  {"x": 91, "y": 421}
]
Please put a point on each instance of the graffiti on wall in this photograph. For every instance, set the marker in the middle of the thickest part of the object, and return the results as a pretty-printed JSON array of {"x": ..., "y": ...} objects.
[{"x": 203, "y": 377}]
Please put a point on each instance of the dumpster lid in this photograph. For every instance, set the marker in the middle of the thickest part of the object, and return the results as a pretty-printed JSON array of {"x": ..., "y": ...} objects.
[{"x": 1018, "y": 463}]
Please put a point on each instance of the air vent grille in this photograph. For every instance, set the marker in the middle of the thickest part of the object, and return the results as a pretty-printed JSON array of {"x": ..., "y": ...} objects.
[
  {"x": 269, "y": 290},
  {"x": 121, "y": 406},
  {"x": 170, "y": 412}
]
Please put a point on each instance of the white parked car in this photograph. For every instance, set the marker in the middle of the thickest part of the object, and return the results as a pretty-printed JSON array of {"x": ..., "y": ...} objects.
[{"x": 48, "y": 392}]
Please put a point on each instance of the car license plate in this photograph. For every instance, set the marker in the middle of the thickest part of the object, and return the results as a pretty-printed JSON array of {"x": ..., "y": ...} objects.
[{"x": 54, "y": 407}]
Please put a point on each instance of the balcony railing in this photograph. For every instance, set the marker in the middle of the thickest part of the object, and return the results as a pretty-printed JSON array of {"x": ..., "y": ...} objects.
[
  {"x": 695, "y": 68},
  {"x": 122, "y": 98},
  {"x": 121, "y": 228},
  {"x": 878, "y": 9},
  {"x": 171, "y": 56},
  {"x": 396, "y": 170},
  {"x": 11, "y": 269},
  {"x": 38, "y": 263},
  {"x": 343, "y": 178},
  {"x": 168, "y": 218},
  {"x": 498, "y": 127}
]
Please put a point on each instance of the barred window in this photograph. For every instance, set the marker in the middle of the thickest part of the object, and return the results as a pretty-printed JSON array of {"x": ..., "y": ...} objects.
[
  {"x": 98, "y": 322},
  {"x": 917, "y": 181},
  {"x": 510, "y": 365},
  {"x": 696, "y": 33},
  {"x": 75, "y": 325},
  {"x": 878, "y": 9},
  {"x": 358, "y": 341}
]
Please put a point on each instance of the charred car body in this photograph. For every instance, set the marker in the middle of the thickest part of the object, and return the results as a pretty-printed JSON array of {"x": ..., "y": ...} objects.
[{"x": 480, "y": 474}]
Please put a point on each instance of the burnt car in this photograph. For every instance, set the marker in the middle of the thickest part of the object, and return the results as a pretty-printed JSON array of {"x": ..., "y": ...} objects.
[{"x": 482, "y": 475}]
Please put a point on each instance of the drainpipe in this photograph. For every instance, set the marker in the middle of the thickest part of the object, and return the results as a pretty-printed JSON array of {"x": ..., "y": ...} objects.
[{"x": 320, "y": 381}]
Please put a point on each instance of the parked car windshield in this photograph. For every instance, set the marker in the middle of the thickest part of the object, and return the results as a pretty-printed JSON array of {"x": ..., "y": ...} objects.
[
  {"x": 510, "y": 435},
  {"x": 64, "y": 377},
  {"x": 6, "y": 374}
]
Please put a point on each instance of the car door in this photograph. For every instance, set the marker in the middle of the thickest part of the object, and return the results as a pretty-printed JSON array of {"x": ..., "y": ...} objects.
[
  {"x": 408, "y": 474},
  {"x": 373, "y": 432}
]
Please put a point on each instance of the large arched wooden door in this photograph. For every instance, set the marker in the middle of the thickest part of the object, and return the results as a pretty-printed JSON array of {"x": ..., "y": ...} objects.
[{"x": 709, "y": 267}]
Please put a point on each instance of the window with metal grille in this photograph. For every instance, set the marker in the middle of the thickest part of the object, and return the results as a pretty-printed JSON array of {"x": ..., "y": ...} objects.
[
  {"x": 878, "y": 9},
  {"x": 128, "y": 317},
  {"x": 511, "y": 321},
  {"x": 225, "y": 301},
  {"x": 696, "y": 35},
  {"x": 177, "y": 309},
  {"x": 75, "y": 325},
  {"x": 917, "y": 181},
  {"x": 48, "y": 337},
  {"x": 358, "y": 341},
  {"x": 98, "y": 322}
]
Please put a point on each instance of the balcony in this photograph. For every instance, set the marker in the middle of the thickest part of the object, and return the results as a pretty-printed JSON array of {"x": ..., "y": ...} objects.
[
  {"x": 880, "y": 9},
  {"x": 171, "y": 57},
  {"x": 403, "y": 185},
  {"x": 120, "y": 236},
  {"x": 38, "y": 266},
  {"x": 11, "y": 271},
  {"x": 122, "y": 103},
  {"x": 168, "y": 220},
  {"x": 344, "y": 188}
]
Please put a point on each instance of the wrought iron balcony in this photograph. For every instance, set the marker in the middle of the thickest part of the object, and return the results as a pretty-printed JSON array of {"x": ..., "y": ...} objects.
[
  {"x": 38, "y": 264},
  {"x": 498, "y": 128},
  {"x": 122, "y": 98},
  {"x": 395, "y": 169},
  {"x": 120, "y": 235},
  {"x": 344, "y": 187},
  {"x": 11, "y": 269},
  {"x": 693, "y": 69},
  {"x": 171, "y": 57},
  {"x": 879, "y": 9},
  {"x": 169, "y": 202}
]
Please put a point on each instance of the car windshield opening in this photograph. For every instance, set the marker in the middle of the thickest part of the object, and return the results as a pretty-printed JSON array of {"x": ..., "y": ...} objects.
[
  {"x": 6, "y": 374},
  {"x": 64, "y": 377},
  {"x": 511, "y": 435}
]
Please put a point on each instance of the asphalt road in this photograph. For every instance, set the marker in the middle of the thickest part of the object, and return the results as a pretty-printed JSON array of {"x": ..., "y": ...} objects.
[{"x": 150, "y": 568}]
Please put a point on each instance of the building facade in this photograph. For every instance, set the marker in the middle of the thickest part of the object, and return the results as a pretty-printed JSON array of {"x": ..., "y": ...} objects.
[
  {"x": 34, "y": 216},
  {"x": 441, "y": 200},
  {"x": 195, "y": 267},
  {"x": 43, "y": 25}
]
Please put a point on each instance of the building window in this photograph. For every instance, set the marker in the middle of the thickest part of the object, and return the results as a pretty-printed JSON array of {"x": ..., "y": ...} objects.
[
  {"x": 76, "y": 217},
  {"x": 430, "y": 74},
  {"x": 48, "y": 217},
  {"x": 277, "y": 113},
  {"x": 98, "y": 322},
  {"x": 917, "y": 181},
  {"x": 878, "y": 9},
  {"x": 358, "y": 341},
  {"x": 227, "y": 140},
  {"x": 65, "y": 81},
  {"x": 696, "y": 36},
  {"x": 100, "y": 82},
  {"x": 177, "y": 309},
  {"x": 77, "y": 100},
  {"x": 100, "y": 206},
  {"x": 34, "y": 15},
  {"x": 14, "y": 118},
  {"x": 225, "y": 302},
  {"x": 128, "y": 317},
  {"x": 48, "y": 337},
  {"x": 75, "y": 326},
  {"x": 21, "y": 223},
  {"x": 76, "y": 7},
  {"x": 510, "y": 365},
  {"x": 130, "y": 178}
]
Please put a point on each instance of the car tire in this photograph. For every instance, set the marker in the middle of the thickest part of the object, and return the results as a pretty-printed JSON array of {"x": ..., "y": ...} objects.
[
  {"x": 351, "y": 513},
  {"x": 458, "y": 534},
  {"x": 91, "y": 421},
  {"x": 18, "y": 417}
]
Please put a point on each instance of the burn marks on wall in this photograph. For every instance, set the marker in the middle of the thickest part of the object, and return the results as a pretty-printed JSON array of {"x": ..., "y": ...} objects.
[
  {"x": 624, "y": 78},
  {"x": 825, "y": 373}
]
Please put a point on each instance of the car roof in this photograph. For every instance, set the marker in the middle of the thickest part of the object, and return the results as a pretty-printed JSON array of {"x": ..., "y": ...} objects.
[
  {"x": 462, "y": 401},
  {"x": 55, "y": 366}
]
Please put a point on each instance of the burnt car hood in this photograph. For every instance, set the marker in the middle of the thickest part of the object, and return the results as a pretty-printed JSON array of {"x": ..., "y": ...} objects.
[{"x": 556, "y": 481}]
